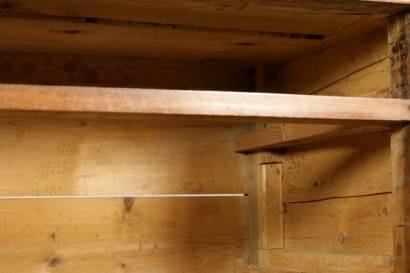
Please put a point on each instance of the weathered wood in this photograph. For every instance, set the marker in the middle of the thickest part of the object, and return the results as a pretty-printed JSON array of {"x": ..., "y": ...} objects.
[
  {"x": 236, "y": 106},
  {"x": 361, "y": 225},
  {"x": 330, "y": 71},
  {"x": 320, "y": 17},
  {"x": 399, "y": 35},
  {"x": 131, "y": 235},
  {"x": 185, "y": 30},
  {"x": 270, "y": 208},
  {"x": 77, "y": 156},
  {"x": 253, "y": 235},
  {"x": 372, "y": 81},
  {"x": 298, "y": 261},
  {"x": 145, "y": 40},
  {"x": 353, "y": 166},
  {"x": 288, "y": 135},
  {"x": 48, "y": 69}
]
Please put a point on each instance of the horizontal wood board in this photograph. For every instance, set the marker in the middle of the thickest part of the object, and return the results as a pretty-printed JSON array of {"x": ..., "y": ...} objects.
[
  {"x": 299, "y": 261},
  {"x": 230, "y": 105},
  {"x": 52, "y": 69},
  {"x": 244, "y": 31},
  {"x": 123, "y": 235},
  {"x": 61, "y": 156},
  {"x": 359, "y": 225}
]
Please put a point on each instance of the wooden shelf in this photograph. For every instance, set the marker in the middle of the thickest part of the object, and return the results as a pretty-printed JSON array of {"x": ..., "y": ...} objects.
[{"x": 231, "y": 106}]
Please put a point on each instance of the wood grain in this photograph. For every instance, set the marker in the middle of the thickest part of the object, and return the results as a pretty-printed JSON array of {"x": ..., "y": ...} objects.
[
  {"x": 371, "y": 82},
  {"x": 346, "y": 167},
  {"x": 51, "y": 69},
  {"x": 74, "y": 36},
  {"x": 289, "y": 135},
  {"x": 117, "y": 235},
  {"x": 270, "y": 206},
  {"x": 250, "y": 15},
  {"x": 77, "y": 156},
  {"x": 399, "y": 33},
  {"x": 321, "y": 72},
  {"x": 360, "y": 225},
  {"x": 239, "y": 106},
  {"x": 298, "y": 261},
  {"x": 200, "y": 30}
]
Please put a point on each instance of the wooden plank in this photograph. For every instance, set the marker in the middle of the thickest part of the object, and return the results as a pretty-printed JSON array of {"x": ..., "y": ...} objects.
[
  {"x": 337, "y": 65},
  {"x": 298, "y": 261},
  {"x": 360, "y": 225},
  {"x": 353, "y": 166},
  {"x": 235, "y": 106},
  {"x": 145, "y": 40},
  {"x": 77, "y": 156},
  {"x": 262, "y": 16},
  {"x": 270, "y": 208},
  {"x": 296, "y": 17},
  {"x": 118, "y": 72},
  {"x": 289, "y": 135},
  {"x": 400, "y": 152},
  {"x": 109, "y": 235}
]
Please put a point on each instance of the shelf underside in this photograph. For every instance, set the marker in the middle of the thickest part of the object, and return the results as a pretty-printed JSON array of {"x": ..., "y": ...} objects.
[{"x": 218, "y": 30}]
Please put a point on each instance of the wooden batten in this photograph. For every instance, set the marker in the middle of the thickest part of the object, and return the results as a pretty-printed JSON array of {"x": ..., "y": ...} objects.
[{"x": 270, "y": 209}]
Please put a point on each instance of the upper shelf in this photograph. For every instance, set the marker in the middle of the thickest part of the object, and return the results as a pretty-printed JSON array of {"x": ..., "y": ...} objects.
[
  {"x": 219, "y": 30},
  {"x": 226, "y": 106}
]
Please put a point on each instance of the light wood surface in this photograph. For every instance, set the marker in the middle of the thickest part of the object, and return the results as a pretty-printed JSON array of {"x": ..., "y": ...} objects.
[
  {"x": 77, "y": 156},
  {"x": 299, "y": 261},
  {"x": 238, "y": 106},
  {"x": 357, "y": 67},
  {"x": 360, "y": 225},
  {"x": 123, "y": 235},
  {"x": 353, "y": 166},
  {"x": 270, "y": 207}
]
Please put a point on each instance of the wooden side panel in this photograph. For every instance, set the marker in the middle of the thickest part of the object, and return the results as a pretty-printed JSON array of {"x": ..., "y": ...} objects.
[
  {"x": 57, "y": 156},
  {"x": 361, "y": 225},
  {"x": 371, "y": 81},
  {"x": 117, "y": 235},
  {"x": 118, "y": 72},
  {"x": 352, "y": 166},
  {"x": 270, "y": 208},
  {"x": 354, "y": 68}
]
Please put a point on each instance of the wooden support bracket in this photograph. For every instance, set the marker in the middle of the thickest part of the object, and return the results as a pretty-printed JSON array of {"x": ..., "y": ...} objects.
[{"x": 288, "y": 135}]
